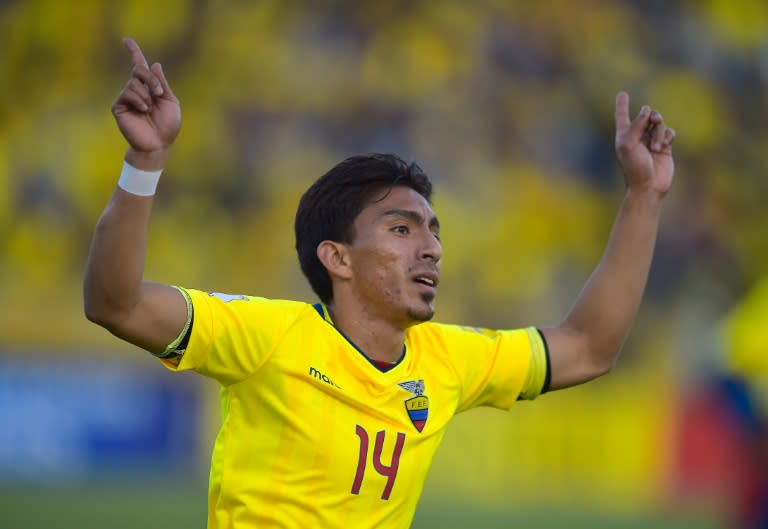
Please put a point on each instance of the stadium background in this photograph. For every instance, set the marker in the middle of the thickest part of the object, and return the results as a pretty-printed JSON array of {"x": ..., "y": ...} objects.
[{"x": 508, "y": 105}]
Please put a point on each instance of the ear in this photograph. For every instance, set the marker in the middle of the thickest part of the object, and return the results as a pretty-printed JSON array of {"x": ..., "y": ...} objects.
[{"x": 335, "y": 258}]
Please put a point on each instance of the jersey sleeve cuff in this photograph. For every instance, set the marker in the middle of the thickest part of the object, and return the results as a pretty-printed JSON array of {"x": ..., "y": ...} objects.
[
  {"x": 538, "y": 371},
  {"x": 173, "y": 352}
]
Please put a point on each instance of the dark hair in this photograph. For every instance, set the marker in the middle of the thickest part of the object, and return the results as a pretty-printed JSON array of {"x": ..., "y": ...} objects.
[{"x": 328, "y": 209}]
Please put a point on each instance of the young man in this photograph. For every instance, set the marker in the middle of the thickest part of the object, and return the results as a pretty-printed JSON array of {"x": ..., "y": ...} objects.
[{"x": 332, "y": 412}]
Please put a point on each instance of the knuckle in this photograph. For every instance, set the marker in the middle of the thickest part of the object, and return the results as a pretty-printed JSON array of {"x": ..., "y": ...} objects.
[{"x": 137, "y": 86}]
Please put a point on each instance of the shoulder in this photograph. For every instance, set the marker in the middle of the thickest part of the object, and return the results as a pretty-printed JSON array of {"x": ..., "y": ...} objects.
[
  {"x": 448, "y": 339},
  {"x": 231, "y": 305},
  {"x": 463, "y": 341},
  {"x": 448, "y": 331},
  {"x": 221, "y": 298}
]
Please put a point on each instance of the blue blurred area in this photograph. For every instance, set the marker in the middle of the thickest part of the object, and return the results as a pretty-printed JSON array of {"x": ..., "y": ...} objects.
[{"x": 79, "y": 419}]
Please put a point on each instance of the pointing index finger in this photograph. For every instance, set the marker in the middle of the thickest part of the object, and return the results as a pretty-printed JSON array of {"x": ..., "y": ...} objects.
[
  {"x": 622, "y": 111},
  {"x": 136, "y": 56}
]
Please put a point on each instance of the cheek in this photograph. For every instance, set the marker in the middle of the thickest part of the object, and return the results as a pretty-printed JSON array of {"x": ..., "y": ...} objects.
[
  {"x": 383, "y": 270},
  {"x": 389, "y": 282},
  {"x": 393, "y": 294}
]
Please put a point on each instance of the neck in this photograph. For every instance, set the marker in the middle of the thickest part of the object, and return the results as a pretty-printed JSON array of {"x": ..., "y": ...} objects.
[{"x": 379, "y": 339}]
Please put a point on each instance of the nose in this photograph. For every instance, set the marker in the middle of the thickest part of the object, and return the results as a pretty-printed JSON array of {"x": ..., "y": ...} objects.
[{"x": 432, "y": 250}]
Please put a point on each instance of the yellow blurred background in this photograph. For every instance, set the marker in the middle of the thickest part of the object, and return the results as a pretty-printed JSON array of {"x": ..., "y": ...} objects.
[{"x": 508, "y": 105}]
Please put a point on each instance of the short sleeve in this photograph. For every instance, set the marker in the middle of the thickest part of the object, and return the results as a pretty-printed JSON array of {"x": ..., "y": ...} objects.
[
  {"x": 494, "y": 367},
  {"x": 233, "y": 335},
  {"x": 537, "y": 380}
]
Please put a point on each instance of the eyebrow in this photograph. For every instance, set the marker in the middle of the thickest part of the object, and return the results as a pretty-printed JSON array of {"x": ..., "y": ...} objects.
[{"x": 414, "y": 216}]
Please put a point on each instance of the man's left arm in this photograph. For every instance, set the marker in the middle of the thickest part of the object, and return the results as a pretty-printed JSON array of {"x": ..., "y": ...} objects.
[{"x": 587, "y": 343}]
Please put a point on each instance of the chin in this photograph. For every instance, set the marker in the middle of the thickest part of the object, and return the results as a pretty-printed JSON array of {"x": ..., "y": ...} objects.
[{"x": 421, "y": 314}]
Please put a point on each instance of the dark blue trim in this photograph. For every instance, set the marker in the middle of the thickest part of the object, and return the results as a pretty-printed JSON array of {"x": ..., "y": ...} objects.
[
  {"x": 548, "y": 376},
  {"x": 319, "y": 308},
  {"x": 185, "y": 341},
  {"x": 418, "y": 415}
]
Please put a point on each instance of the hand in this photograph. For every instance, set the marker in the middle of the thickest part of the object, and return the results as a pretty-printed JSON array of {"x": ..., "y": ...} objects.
[
  {"x": 644, "y": 148},
  {"x": 146, "y": 111}
]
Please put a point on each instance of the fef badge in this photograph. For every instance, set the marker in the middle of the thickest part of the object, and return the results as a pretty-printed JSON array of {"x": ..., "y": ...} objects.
[{"x": 417, "y": 407}]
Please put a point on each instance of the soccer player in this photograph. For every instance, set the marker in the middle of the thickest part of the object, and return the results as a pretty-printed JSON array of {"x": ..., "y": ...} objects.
[{"x": 332, "y": 411}]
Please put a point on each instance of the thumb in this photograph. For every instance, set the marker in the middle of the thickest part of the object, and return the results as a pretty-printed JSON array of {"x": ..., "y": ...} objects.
[
  {"x": 630, "y": 131},
  {"x": 157, "y": 69},
  {"x": 638, "y": 127}
]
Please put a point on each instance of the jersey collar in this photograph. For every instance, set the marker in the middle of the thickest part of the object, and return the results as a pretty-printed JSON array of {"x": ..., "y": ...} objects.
[{"x": 322, "y": 310}]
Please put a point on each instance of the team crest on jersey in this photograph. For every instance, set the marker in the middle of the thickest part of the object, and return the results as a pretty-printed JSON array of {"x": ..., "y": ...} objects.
[{"x": 417, "y": 407}]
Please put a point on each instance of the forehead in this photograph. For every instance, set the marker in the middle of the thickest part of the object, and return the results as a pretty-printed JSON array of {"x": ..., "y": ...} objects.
[{"x": 394, "y": 199}]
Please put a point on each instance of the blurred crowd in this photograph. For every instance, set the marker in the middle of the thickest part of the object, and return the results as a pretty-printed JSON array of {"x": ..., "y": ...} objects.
[{"x": 508, "y": 105}]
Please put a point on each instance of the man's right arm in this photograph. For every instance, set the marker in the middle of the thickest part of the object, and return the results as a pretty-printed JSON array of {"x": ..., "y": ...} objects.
[{"x": 149, "y": 315}]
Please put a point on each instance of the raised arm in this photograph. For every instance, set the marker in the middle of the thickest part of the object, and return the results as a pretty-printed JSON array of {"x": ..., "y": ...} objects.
[
  {"x": 116, "y": 297},
  {"x": 587, "y": 343}
]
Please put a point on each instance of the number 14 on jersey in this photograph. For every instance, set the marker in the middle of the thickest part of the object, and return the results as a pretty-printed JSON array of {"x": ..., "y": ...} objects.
[{"x": 389, "y": 471}]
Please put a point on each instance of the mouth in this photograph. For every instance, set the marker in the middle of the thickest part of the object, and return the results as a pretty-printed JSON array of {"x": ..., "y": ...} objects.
[{"x": 427, "y": 279}]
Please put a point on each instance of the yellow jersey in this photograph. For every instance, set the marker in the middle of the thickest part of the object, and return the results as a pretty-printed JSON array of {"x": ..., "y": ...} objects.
[{"x": 313, "y": 434}]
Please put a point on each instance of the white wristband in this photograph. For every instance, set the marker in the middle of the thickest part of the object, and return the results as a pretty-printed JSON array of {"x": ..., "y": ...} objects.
[{"x": 138, "y": 182}]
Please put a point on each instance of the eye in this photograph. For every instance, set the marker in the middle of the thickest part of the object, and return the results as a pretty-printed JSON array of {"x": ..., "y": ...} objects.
[
  {"x": 401, "y": 229},
  {"x": 437, "y": 236}
]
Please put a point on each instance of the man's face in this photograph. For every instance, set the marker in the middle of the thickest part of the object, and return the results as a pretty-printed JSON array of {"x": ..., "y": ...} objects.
[{"x": 395, "y": 256}]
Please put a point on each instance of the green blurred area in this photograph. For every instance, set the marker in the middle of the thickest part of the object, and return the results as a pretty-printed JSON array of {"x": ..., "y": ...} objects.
[
  {"x": 171, "y": 507},
  {"x": 508, "y": 105}
]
